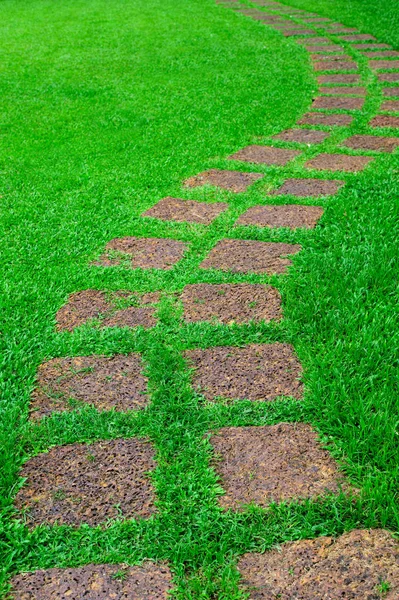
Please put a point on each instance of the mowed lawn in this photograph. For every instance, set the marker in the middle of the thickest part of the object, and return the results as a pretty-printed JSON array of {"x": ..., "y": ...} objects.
[{"x": 106, "y": 107}]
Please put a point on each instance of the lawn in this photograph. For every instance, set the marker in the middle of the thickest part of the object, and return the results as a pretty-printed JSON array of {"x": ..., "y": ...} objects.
[{"x": 107, "y": 107}]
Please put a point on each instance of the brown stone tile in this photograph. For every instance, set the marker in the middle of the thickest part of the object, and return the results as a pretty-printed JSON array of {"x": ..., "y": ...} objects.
[
  {"x": 175, "y": 209},
  {"x": 390, "y": 91},
  {"x": 272, "y": 464},
  {"x": 95, "y": 582},
  {"x": 270, "y": 18},
  {"x": 344, "y": 78},
  {"x": 259, "y": 372},
  {"x": 316, "y": 20},
  {"x": 388, "y": 77},
  {"x": 357, "y": 37},
  {"x": 330, "y": 57},
  {"x": 234, "y": 181},
  {"x": 385, "y": 121},
  {"x": 325, "y": 119},
  {"x": 265, "y": 155},
  {"x": 341, "y": 29},
  {"x": 338, "y": 162},
  {"x": 93, "y": 304},
  {"x": 370, "y": 46},
  {"x": 302, "y": 136},
  {"x": 294, "y": 32},
  {"x": 88, "y": 483},
  {"x": 338, "y": 103},
  {"x": 325, "y": 48},
  {"x": 142, "y": 253},
  {"x": 384, "y": 64},
  {"x": 250, "y": 256},
  {"x": 293, "y": 216},
  {"x": 325, "y": 65},
  {"x": 372, "y": 142},
  {"x": 342, "y": 90},
  {"x": 391, "y": 105},
  {"x": 281, "y": 25},
  {"x": 104, "y": 382},
  {"x": 230, "y": 303},
  {"x": 382, "y": 54},
  {"x": 309, "y": 187},
  {"x": 350, "y": 566},
  {"x": 314, "y": 40}
]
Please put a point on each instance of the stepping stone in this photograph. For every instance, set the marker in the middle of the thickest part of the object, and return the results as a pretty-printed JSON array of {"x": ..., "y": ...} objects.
[
  {"x": 316, "y": 20},
  {"x": 339, "y": 162},
  {"x": 325, "y": 119},
  {"x": 348, "y": 78},
  {"x": 388, "y": 77},
  {"x": 293, "y": 216},
  {"x": 259, "y": 372},
  {"x": 273, "y": 464},
  {"x": 250, "y": 256},
  {"x": 385, "y": 121},
  {"x": 391, "y": 105},
  {"x": 309, "y": 187},
  {"x": 95, "y": 582},
  {"x": 353, "y": 565},
  {"x": 314, "y": 40},
  {"x": 384, "y": 64},
  {"x": 370, "y": 46},
  {"x": 104, "y": 382},
  {"x": 358, "y": 37},
  {"x": 88, "y": 483},
  {"x": 302, "y": 136},
  {"x": 325, "y": 48},
  {"x": 337, "y": 30},
  {"x": 382, "y": 54},
  {"x": 234, "y": 181},
  {"x": 339, "y": 103},
  {"x": 330, "y": 57},
  {"x": 359, "y": 91},
  {"x": 390, "y": 91},
  {"x": 142, "y": 253},
  {"x": 175, "y": 209},
  {"x": 372, "y": 142},
  {"x": 231, "y": 303},
  {"x": 93, "y": 304},
  {"x": 325, "y": 65},
  {"x": 294, "y": 32},
  {"x": 265, "y": 155}
]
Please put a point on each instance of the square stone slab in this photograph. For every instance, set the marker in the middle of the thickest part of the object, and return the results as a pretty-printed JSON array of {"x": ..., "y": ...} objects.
[
  {"x": 230, "y": 303},
  {"x": 385, "y": 121},
  {"x": 330, "y": 57},
  {"x": 302, "y": 136},
  {"x": 382, "y": 54},
  {"x": 325, "y": 119},
  {"x": 88, "y": 483},
  {"x": 314, "y": 40},
  {"x": 344, "y": 78},
  {"x": 384, "y": 64},
  {"x": 325, "y": 65},
  {"x": 390, "y": 91},
  {"x": 338, "y": 103},
  {"x": 350, "y": 566},
  {"x": 338, "y": 162},
  {"x": 265, "y": 155},
  {"x": 390, "y": 105},
  {"x": 325, "y": 48},
  {"x": 388, "y": 77},
  {"x": 357, "y": 37},
  {"x": 92, "y": 304},
  {"x": 272, "y": 464},
  {"x": 175, "y": 209},
  {"x": 372, "y": 142},
  {"x": 234, "y": 181},
  {"x": 95, "y": 582},
  {"x": 309, "y": 187},
  {"x": 104, "y": 382},
  {"x": 293, "y": 216},
  {"x": 142, "y": 253},
  {"x": 294, "y": 32},
  {"x": 342, "y": 90},
  {"x": 259, "y": 372},
  {"x": 250, "y": 256},
  {"x": 370, "y": 46}
]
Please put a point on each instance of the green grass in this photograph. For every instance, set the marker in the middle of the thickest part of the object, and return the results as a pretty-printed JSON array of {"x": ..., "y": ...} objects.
[{"x": 106, "y": 108}]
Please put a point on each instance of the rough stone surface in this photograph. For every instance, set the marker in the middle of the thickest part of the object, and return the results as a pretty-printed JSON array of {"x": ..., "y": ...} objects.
[
  {"x": 265, "y": 155},
  {"x": 357, "y": 37},
  {"x": 330, "y": 57},
  {"x": 250, "y": 256},
  {"x": 388, "y": 77},
  {"x": 93, "y": 304},
  {"x": 384, "y": 64},
  {"x": 95, "y": 582},
  {"x": 142, "y": 253},
  {"x": 342, "y": 90},
  {"x": 385, "y": 121},
  {"x": 293, "y": 216},
  {"x": 391, "y": 91},
  {"x": 324, "y": 65},
  {"x": 102, "y": 381},
  {"x": 339, "y": 103},
  {"x": 175, "y": 209},
  {"x": 309, "y": 187},
  {"x": 314, "y": 40},
  {"x": 326, "y": 119},
  {"x": 372, "y": 142},
  {"x": 271, "y": 464},
  {"x": 344, "y": 78},
  {"x": 382, "y": 54},
  {"x": 338, "y": 162},
  {"x": 302, "y": 136},
  {"x": 351, "y": 566},
  {"x": 293, "y": 32},
  {"x": 234, "y": 181},
  {"x": 390, "y": 105},
  {"x": 260, "y": 372},
  {"x": 370, "y": 46},
  {"x": 325, "y": 48},
  {"x": 88, "y": 483},
  {"x": 231, "y": 303}
]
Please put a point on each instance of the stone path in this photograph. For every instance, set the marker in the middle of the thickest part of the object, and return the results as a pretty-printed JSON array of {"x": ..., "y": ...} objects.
[{"x": 92, "y": 482}]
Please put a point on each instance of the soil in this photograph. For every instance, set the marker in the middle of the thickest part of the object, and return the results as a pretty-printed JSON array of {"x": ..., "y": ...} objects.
[
  {"x": 309, "y": 187},
  {"x": 143, "y": 253},
  {"x": 265, "y": 155},
  {"x": 388, "y": 77},
  {"x": 391, "y": 105},
  {"x": 174, "y": 209},
  {"x": 234, "y": 181},
  {"x": 358, "y": 37},
  {"x": 95, "y": 582},
  {"x": 338, "y": 103},
  {"x": 88, "y": 483},
  {"x": 350, "y": 566},
  {"x": 104, "y": 382},
  {"x": 385, "y": 121},
  {"x": 384, "y": 64},
  {"x": 231, "y": 303},
  {"x": 302, "y": 136},
  {"x": 250, "y": 256},
  {"x": 344, "y": 78},
  {"x": 372, "y": 142},
  {"x": 272, "y": 464},
  {"x": 324, "y": 119},
  {"x": 391, "y": 91},
  {"x": 339, "y": 162},
  {"x": 258, "y": 372},
  {"x": 325, "y": 65},
  {"x": 93, "y": 304},
  {"x": 293, "y": 216},
  {"x": 359, "y": 91}
]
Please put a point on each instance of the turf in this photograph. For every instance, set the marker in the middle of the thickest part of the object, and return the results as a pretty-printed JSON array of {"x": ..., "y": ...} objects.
[{"x": 106, "y": 108}]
